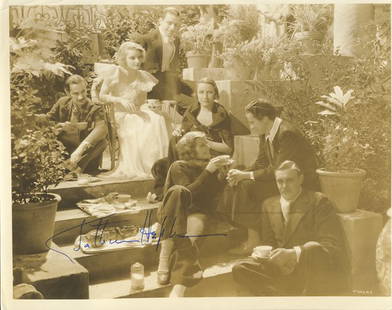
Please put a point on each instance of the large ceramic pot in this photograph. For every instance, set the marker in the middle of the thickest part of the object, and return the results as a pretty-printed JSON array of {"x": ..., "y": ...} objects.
[
  {"x": 33, "y": 225},
  {"x": 343, "y": 188},
  {"x": 197, "y": 61}
]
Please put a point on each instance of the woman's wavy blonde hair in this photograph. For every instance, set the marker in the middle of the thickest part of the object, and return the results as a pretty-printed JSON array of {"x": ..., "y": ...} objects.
[
  {"x": 123, "y": 50},
  {"x": 186, "y": 146}
]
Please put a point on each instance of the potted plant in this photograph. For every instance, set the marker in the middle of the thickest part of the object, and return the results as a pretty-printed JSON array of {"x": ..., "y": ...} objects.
[
  {"x": 256, "y": 58},
  {"x": 37, "y": 156},
  {"x": 241, "y": 25},
  {"x": 196, "y": 41},
  {"x": 342, "y": 150},
  {"x": 310, "y": 24},
  {"x": 235, "y": 65}
]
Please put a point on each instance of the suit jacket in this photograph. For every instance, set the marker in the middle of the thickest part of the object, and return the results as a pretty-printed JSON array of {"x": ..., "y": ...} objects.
[
  {"x": 152, "y": 43},
  {"x": 313, "y": 226},
  {"x": 170, "y": 83},
  {"x": 288, "y": 144}
]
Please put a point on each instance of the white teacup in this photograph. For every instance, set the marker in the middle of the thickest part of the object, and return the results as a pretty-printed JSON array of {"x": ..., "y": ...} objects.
[{"x": 263, "y": 251}]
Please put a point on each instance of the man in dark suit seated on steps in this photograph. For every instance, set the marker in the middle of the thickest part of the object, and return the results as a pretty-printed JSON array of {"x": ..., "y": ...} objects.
[
  {"x": 307, "y": 254},
  {"x": 81, "y": 125}
]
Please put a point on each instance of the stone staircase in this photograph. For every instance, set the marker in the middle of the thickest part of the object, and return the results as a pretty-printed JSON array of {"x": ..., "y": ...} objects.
[
  {"x": 109, "y": 272},
  {"x": 68, "y": 272}
]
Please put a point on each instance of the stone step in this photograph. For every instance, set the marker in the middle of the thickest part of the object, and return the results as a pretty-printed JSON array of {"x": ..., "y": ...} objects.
[
  {"x": 72, "y": 192},
  {"x": 217, "y": 279},
  {"x": 55, "y": 276},
  {"x": 72, "y": 222},
  {"x": 105, "y": 264},
  {"x": 217, "y": 282},
  {"x": 120, "y": 287}
]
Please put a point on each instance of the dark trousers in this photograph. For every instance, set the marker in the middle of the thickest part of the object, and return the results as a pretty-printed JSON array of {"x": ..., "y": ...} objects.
[
  {"x": 167, "y": 87},
  {"x": 161, "y": 167},
  {"x": 91, "y": 159},
  {"x": 173, "y": 214},
  {"x": 262, "y": 278},
  {"x": 242, "y": 203},
  {"x": 314, "y": 275}
]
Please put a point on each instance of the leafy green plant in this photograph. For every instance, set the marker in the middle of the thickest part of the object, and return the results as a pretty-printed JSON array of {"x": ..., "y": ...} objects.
[
  {"x": 342, "y": 149},
  {"x": 124, "y": 22},
  {"x": 241, "y": 24},
  {"x": 366, "y": 123},
  {"x": 369, "y": 76},
  {"x": 37, "y": 157},
  {"x": 310, "y": 25},
  {"x": 197, "y": 39},
  {"x": 311, "y": 17},
  {"x": 73, "y": 47}
]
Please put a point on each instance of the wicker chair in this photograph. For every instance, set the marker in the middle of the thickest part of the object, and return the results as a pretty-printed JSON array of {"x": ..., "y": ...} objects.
[{"x": 114, "y": 147}]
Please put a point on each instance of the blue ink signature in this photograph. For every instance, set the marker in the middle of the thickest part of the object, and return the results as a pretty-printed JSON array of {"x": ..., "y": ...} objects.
[{"x": 146, "y": 234}]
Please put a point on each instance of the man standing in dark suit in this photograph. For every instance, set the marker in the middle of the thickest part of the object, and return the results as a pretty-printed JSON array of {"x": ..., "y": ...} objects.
[
  {"x": 308, "y": 255},
  {"x": 279, "y": 141},
  {"x": 162, "y": 57}
]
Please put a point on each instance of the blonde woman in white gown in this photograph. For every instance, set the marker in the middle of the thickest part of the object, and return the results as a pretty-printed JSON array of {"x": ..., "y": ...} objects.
[{"x": 143, "y": 137}]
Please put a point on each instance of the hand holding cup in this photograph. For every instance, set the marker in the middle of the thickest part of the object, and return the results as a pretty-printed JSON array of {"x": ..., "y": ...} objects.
[
  {"x": 262, "y": 252},
  {"x": 218, "y": 162}
]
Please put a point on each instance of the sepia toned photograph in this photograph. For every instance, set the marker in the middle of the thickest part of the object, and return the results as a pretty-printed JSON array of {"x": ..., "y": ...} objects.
[{"x": 200, "y": 150}]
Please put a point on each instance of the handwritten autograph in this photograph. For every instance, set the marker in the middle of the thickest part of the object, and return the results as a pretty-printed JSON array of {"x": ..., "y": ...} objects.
[{"x": 146, "y": 233}]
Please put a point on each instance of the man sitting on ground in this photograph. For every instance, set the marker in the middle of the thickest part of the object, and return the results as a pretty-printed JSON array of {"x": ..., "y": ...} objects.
[
  {"x": 82, "y": 127},
  {"x": 308, "y": 256}
]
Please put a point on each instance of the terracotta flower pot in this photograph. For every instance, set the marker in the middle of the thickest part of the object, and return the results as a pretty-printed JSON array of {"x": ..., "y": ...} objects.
[
  {"x": 343, "y": 188},
  {"x": 33, "y": 225},
  {"x": 197, "y": 61}
]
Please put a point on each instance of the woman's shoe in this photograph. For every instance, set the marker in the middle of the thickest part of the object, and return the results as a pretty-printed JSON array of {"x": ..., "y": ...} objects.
[{"x": 163, "y": 277}]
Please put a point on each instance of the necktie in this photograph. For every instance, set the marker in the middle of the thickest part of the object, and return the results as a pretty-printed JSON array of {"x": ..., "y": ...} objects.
[
  {"x": 286, "y": 211},
  {"x": 168, "y": 53}
]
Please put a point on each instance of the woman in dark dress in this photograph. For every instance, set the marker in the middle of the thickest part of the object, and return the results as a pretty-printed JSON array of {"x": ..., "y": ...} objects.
[
  {"x": 192, "y": 189},
  {"x": 205, "y": 115}
]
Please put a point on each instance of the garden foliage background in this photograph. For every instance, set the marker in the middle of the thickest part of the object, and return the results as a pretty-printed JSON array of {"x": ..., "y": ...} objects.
[{"x": 40, "y": 64}]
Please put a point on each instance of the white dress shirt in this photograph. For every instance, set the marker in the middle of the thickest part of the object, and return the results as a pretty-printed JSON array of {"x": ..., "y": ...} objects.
[
  {"x": 271, "y": 135},
  {"x": 270, "y": 138}
]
